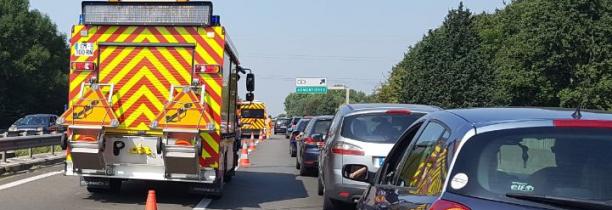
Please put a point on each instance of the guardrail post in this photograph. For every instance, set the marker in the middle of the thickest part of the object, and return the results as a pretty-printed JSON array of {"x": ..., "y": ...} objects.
[{"x": 53, "y": 146}]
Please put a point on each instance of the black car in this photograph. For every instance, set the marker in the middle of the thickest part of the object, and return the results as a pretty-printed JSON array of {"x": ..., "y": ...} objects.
[
  {"x": 37, "y": 122},
  {"x": 308, "y": 146},
  {"x": 496, "y": 158},
  {"x": 281, "y": 125}
]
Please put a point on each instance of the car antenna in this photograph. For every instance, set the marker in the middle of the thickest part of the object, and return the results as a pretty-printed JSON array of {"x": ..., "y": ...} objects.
[{"x": 577, "y": 114}]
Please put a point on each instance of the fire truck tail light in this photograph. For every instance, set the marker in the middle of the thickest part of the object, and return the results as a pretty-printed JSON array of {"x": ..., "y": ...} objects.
[
  {"x": 208, "y": 69},
  {"x": 83, "y": 66}
]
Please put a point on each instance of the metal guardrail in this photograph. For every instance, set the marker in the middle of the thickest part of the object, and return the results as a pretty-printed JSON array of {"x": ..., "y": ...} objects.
[{"x": 22, "y": 140}]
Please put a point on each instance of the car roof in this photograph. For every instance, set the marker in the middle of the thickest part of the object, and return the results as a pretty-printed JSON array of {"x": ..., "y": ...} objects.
[
  {"x": 382, "y": 106},
  {"x": 41, "y": 115},
  {"x": 487, "y": 116},
  {"x": 323, "y": 117}
]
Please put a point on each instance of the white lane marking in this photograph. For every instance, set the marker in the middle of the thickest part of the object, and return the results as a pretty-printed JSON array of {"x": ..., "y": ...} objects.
[
  {"x": 203, "y": 204},
  {"x": 26, "y": 180}
]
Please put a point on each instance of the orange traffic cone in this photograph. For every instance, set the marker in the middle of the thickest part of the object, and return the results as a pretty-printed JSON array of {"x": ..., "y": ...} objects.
[
  {"x": 244, "y": 156},
  {"x": 251, "y": 146},
  {"x": 261, "y": 135},
  {"x": 151, "y": 201}
]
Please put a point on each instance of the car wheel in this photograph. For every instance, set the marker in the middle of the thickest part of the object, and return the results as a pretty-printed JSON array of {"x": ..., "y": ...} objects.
[
  {"x": 328, "y": 203},
  {"x": 320, "y": 188},
  {"x": 304, "y": 171}
]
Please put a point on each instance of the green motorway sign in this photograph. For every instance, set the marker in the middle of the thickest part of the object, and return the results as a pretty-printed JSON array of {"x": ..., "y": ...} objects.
[{"x": 310, "y": 90}]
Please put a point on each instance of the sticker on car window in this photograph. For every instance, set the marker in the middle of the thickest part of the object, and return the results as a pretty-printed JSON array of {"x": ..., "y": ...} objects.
[
  {"x": 521, "y": 186},
  {"x": 459, "y": 181}
]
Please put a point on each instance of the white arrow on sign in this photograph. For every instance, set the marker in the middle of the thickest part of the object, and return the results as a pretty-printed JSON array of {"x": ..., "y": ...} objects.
[{"x": 311, "y": 82}]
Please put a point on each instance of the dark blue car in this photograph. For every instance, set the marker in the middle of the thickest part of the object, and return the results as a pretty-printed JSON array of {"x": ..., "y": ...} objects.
[
  {"x": 296, "y": 133},
  {"x": 496, "y": 158},
  {"x": 308, "y": 145}
]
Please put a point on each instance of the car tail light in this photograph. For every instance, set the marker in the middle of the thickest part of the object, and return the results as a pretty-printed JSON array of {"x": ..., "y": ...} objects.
[
  {"x": 342, "y": 148},
  {"x": 447, "y": 205},
  {"x": 83, "y": 66},
  {"x": 398, "y": 112},
  {"x": 583, "y": 123},
  {"x": 310, "y": 141}
]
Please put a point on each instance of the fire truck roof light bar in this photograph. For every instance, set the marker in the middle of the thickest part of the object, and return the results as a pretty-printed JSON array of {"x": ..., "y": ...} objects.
[{"x": 147, "y": 13}]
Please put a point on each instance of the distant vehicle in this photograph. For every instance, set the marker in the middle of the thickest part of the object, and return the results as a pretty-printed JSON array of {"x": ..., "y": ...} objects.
[
  {"x": 253, "y": 117},
  {"x": 37, "y": 122},
  {"x": 361, "y": 134},
  {"x": 281, "y": 124},
  {"x": 496, "y": 158},
  {"x": 291, "y": 126},
  {"x": 312, "y": 138},
  {"x": 296, "y": 134}
]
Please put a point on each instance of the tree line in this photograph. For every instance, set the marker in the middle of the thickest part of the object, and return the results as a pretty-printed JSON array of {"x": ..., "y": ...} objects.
[
  {"x": 33, "y": 63},
  {"x": 321, "y": 104},
  {"x": 553, "y": 53}
]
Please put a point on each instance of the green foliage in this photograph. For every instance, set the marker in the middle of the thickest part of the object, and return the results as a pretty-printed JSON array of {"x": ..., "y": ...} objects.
[
  {"x": 320, "y": 104},
  {"x": 33, "y": 63},
  {"x": 531, "y": 53}
]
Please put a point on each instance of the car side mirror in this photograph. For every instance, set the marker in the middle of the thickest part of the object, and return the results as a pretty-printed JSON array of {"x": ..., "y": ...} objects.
[
  {"x": 356, "y": 172},
  {"x": 250, "y": 82},
  {"x": 250, "y": 97}
]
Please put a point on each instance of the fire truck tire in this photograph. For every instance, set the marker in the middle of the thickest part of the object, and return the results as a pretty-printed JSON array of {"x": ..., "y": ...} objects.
[
  {"x": 227, "y": 176},
  {"x": 64, "y": 142}
]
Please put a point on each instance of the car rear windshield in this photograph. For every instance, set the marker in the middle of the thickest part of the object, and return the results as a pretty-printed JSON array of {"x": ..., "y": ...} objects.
[
  {"x": 296, "y": 120},
  {"x": 377, "y": 127},
  {"x": 321, "y": 127},
  {"x": 302, "y": 125},
  {"x": 282, "y": 122},
  {"x": 252, "y": 113},
  {"x": 558, "y": 162}
]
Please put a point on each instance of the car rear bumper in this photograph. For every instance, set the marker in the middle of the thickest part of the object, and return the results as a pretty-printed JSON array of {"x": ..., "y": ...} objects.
[
  {"x": 280, "y": 130},
  {"x": 310, "y": 157},
  {"x": 345, "y": 192}
]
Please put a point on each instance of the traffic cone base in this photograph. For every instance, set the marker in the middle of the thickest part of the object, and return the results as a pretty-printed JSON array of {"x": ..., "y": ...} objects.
[
  {"x": 151, "y": 201},
  {"x": 244, "y": 156}
]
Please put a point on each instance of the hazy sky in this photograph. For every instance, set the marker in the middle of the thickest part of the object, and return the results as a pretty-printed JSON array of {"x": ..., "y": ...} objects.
[{"x": 352, "y": 42}]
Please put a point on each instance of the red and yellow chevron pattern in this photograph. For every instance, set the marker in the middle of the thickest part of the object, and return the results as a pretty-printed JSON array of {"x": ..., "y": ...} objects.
[
  {"x": 143, "y": 62},
  {"x": 143, "y": 77},
  {"x": 253, "y": 123}
]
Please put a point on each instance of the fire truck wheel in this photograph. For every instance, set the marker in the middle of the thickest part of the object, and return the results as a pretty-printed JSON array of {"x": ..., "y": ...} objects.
[{"x": 227, "y": 176}]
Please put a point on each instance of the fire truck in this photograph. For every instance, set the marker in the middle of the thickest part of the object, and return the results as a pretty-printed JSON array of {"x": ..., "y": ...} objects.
[
  {"x": 253, "y": 117},
  {"x": 152, "y": 96}
]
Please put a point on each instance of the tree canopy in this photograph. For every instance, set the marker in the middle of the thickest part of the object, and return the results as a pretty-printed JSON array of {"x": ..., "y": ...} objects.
[
  {"x": 33, "y": 63},
  {"x": 320, "y": 104},
  {"x": 531, "y": 53}
]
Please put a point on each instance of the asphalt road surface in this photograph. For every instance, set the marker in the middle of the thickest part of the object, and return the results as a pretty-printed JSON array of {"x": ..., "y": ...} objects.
[{"x": 271, "y": 182}]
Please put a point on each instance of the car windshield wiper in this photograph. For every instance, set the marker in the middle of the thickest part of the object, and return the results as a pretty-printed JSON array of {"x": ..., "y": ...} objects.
[{"x": 561, "y": 201}]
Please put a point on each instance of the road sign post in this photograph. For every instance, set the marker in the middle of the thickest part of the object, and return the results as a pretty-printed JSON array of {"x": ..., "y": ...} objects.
[
  {"x": 315, "y": 85},
  {"x": 348, "y": 92}
]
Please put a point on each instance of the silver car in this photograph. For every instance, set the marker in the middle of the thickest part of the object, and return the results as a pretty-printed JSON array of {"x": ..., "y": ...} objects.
[{"x": 361, "y": 134}]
